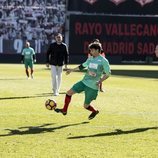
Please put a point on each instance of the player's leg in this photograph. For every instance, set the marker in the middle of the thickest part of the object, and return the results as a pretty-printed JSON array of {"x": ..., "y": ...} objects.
[
  {"x": 26, "y": 69},
  {"x": 66, "y": 102},
  {"x": 27, "y": 72},
  {"x": 68, "y": 99},
  {"x": 59, "y": 75},
  {"x": 90, "y": 95},
  {"x": 54, "y": 79},
  {"x": 31, "y": 68},
  {"x": 77, "y": 88}
]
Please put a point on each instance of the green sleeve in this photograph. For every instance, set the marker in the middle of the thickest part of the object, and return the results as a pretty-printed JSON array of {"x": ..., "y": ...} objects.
[
  {"x": 86, "y": 63},
  {"x": 106, "y": 67},
  {"x": 33, "y": 52}
]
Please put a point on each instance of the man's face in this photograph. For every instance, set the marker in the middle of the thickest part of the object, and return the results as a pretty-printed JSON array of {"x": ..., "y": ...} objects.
[
  {"x": 27, "y": 44},
  {"x": 94, "y": 52},
  {"x": 58, "y": 39}
]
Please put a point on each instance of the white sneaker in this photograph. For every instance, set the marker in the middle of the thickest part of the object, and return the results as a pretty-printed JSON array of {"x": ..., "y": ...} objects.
[{"x": 56, "y": 94}]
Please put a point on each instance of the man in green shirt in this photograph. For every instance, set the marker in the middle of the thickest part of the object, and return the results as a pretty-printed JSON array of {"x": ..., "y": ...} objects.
[
  {"x": 98, "y": 70},
  {"x": 28, "y": 58}
]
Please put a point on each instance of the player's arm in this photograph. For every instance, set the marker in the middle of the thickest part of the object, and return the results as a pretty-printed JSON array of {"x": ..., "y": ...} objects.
[
  {"x": 80, "y": 67},
  {"x": 22, "y": 56},
  {"x": 33, "y": 55},
  {"x": 34, "y": 58},
  {"x": 106, "y": 73},
  {"x": 48, "y": 55},
  {"x": 66, "y": 58},
  {"x": 103, "y": 78}
]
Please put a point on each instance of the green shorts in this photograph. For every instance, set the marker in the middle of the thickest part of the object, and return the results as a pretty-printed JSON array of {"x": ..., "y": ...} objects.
[
  {"x": 90, "y": 94},
  {"x": 28, "y": 63}
]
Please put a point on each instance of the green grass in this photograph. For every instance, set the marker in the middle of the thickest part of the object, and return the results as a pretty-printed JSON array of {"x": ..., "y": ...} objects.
[{"x": 127, "y": 126}]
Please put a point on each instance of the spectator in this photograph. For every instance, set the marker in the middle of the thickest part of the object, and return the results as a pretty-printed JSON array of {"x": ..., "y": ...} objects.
[
  {"x": 57, "y": 56},
  {"x": 23, "y": 14}
]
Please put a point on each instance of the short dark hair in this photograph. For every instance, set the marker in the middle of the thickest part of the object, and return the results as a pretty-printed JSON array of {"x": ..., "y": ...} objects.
[
  {"x": 96, "y": 46},
  {"x": 96, "y": 40},
  {"x": 58, "y": 34}
]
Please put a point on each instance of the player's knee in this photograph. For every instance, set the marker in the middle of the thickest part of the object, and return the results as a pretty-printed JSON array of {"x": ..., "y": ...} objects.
[
  {"x": 70, "y": 92},
  {"x": 86, "y": 106}
]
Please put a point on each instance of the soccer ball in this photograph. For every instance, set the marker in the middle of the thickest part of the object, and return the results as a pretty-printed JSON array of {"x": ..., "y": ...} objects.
[{"x": 50, "y": 104}]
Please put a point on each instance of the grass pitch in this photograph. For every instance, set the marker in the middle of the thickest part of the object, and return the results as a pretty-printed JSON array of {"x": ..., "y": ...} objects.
[{"x": 126, "y": 127}]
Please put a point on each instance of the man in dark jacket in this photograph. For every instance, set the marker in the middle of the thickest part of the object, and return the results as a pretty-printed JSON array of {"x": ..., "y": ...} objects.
[{"x": 57, "y": 56}]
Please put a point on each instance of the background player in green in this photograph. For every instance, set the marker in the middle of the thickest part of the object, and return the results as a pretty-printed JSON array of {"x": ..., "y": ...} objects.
[
  {"x": 98, "y": 70},
  {"x": 28, "y": 58}
]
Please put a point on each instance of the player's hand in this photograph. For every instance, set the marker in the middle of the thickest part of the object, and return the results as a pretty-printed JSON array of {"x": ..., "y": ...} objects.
[
  {"x": 47, "y": 65},
  {"x": 68, "y": 71},
  {"x": 98, "y": 83},
  {"x": 22, "y": 61},
  {"x": 66, "y": 67},
  {"x": 34, "y": 60}
]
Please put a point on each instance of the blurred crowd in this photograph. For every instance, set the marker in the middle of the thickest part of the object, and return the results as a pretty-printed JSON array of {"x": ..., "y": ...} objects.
[{"x": 31, "y": 19}]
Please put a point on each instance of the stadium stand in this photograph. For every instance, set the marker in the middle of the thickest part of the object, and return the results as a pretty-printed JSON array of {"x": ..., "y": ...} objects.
[{"x": 31, "y": 19}]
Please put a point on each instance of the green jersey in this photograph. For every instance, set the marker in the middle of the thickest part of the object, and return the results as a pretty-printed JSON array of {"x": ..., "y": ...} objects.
[
  {"x": 97, "y": 66},
  {"x": 28, "y": 53}
]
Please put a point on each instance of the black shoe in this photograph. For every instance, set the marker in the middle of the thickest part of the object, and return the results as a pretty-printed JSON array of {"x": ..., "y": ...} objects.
[
  {"x": 60, "y": 111},
  {"x": 93, "y": 114}
]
